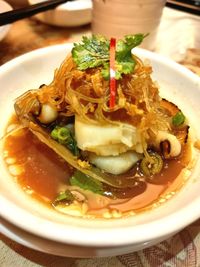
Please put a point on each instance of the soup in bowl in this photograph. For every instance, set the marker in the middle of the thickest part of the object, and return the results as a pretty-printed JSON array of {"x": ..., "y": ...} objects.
[{"x": 121, "y": 172}]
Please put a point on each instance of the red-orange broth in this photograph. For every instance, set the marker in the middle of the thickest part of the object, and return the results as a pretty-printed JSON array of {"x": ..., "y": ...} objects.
[{"x": 45, "y": 173}]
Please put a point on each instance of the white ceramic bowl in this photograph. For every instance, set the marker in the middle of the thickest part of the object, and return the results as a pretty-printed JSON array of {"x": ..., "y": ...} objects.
[
  {"x": 70, "y": 14},
  {"x": 4, "y": 7},
  {"x": 35, "y": 224}
]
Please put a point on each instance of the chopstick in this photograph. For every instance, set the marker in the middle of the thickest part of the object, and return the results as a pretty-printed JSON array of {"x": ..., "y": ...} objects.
[
  {"x": 189, "y": 6},
  {"x": 21, "y": 13}
]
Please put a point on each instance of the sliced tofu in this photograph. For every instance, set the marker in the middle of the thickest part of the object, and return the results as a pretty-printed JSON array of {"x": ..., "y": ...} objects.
[
  {"x": 115, "y": 164},
  {"x": 106, "y": 140}
]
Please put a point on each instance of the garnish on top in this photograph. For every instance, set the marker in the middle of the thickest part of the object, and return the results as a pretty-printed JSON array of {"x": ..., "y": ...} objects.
[
  {"x": 94, "y": 52},
  {"x": 112, "y": 72}
]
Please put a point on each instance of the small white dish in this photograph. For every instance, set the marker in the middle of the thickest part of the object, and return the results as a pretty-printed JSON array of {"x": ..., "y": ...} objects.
[
  {"x": 4, "y": 7},
  {"x": 35, "y": 225},
  {"x": 71, "y": 14}
]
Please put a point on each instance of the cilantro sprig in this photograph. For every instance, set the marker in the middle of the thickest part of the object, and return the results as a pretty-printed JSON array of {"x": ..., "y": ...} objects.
[{"x": 94, "y": 52}]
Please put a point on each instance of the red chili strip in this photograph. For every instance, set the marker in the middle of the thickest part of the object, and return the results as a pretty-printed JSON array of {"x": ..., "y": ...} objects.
[{"x": 112, "y": 72}]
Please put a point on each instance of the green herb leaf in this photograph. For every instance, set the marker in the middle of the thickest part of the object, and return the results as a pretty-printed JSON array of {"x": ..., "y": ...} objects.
[
  {"x": 105, "y": 71},
  {"x": 64, "y": 197},
  {"x": 178, "y": 119},
  {"x": 94, "y": 52},
  {"x": 124, "y": 59},
  {"x": 124, "y": 47},
  {"x": 64, "y": 136},
  {"x": 86, "y": 182}
]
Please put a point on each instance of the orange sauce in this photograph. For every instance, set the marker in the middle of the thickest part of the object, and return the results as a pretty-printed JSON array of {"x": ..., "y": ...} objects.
[{"x": 44, "y": 172}]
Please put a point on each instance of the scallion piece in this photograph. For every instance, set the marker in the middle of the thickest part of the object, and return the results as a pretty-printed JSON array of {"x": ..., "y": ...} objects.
[
  {"x": 54, "y": 133},
  {"x": 178, "y": 119},
  {"x": 64, "y": 197},
  {"x": 64, "y": 136}
]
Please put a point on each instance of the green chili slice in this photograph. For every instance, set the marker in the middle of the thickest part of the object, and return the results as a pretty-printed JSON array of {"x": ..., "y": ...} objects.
[{"x": 151, "y": 165}]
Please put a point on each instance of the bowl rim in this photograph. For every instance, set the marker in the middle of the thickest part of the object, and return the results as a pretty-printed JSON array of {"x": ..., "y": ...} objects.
[{"x": 102, "y": 237}]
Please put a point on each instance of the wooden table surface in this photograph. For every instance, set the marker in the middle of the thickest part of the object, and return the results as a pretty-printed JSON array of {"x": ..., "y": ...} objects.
[{"x": 30, "y": 34}]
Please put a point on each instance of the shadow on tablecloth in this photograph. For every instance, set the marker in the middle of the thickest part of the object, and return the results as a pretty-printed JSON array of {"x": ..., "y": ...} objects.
[{"x": 181, "y": 250}]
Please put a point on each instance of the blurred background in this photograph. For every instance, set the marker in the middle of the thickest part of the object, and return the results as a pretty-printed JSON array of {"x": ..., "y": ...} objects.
[{"x": 173, "y": 24}]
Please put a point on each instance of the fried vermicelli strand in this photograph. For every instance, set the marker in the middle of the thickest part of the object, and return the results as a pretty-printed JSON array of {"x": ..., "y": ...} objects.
[{"x": 86, "y": 94}]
